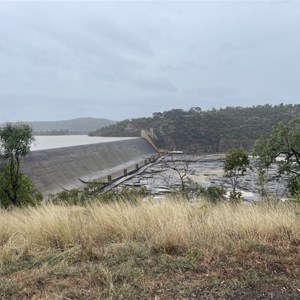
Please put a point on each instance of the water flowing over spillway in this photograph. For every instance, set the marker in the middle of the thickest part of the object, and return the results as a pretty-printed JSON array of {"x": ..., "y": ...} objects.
[
  {"x": 58, "y": 141},
  {"x": 53, "y": 170}
]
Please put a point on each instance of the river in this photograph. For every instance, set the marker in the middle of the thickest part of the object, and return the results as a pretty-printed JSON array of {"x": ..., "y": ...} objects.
[{"x": 206, "y": 170}]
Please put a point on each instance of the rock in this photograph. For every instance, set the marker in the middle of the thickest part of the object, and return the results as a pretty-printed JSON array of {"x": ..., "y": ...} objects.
[{"x": 206, "y": 171}]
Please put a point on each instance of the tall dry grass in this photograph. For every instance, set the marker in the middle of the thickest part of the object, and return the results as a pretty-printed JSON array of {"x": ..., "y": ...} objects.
[{"x": 169, "y": 225}]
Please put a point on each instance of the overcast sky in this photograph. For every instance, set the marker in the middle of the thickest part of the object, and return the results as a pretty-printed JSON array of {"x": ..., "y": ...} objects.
[{"x": 126, "y": 59}]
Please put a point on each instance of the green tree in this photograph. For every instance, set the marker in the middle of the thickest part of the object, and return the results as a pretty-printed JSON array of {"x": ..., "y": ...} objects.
[
  {"x": 283, "y": 148},
  {"x": 207, "y": 131},
  {"x": 236, "y": 163},
  {"x": 15, "y": 187}
]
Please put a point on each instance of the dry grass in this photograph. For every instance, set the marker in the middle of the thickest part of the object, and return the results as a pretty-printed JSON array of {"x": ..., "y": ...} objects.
[
  {"x": 105, "y": 248},
  {"x": 170, "y": 224}
]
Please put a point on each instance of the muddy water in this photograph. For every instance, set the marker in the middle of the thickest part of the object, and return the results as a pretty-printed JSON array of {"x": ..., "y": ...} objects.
[{"x": 206, "y": 170}]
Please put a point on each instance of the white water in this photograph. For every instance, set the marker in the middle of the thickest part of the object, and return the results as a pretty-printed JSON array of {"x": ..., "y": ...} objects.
[{"x": 59, "y": 141}]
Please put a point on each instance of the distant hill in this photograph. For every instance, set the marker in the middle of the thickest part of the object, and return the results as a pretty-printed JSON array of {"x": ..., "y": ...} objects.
[
  {"x": 214, "y": 130},
  {"x": 79, "y": 125}
]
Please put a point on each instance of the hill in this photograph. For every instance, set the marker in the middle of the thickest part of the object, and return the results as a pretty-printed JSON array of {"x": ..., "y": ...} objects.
[
  {"x": 79, "y": 125},
  {"x": 209, "y": 131}
]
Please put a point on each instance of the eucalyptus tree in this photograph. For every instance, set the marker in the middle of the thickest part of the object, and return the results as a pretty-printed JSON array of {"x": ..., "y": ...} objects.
[
  {"x": 235, "y": 165},
  {"x": 282, "y": 147},
  {"x": 15, "y": 187}
]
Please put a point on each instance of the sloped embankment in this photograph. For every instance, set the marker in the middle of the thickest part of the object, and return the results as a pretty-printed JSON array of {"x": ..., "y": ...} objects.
[{"x": 56, "y": 169}]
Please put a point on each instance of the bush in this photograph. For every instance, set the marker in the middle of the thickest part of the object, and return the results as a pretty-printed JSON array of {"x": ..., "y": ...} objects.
[
  {"x": 294, "y": 185},
  {"x": 93, "y": 193},
  {"x": 215, "y": 194},
  {"x": 27, "y": 194},
  {"x": 193, "y": 190}
]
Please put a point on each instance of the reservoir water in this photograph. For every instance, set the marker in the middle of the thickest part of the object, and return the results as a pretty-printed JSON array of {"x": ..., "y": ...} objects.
[{"x": 59, "y": 141}]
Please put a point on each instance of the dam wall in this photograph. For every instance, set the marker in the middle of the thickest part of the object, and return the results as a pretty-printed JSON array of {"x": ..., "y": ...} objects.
[{"x": 54, "y": 170}]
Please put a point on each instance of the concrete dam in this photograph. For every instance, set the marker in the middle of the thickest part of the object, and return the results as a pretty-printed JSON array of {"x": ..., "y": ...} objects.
[{"x": 53, "y": 170}]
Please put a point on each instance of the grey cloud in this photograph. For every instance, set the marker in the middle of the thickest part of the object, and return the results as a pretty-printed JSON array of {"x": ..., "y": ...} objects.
[
  {"x": 226, "y": 62},
  {"x": 69, "y": 45},
  {"x": 184, "y": 66},
  {"x": 66, "y": 59},
  {"x": 117, "y": 37},
  {"x": 237, "y": 47},
  {"x": 214, "y": 92},
  {"x": 155, "y": 84}
]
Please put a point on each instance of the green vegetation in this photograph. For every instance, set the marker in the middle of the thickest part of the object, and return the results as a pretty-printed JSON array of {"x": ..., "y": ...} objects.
[
  {"x": 283, "y": 148},
  {"x": 143, "y": 250},
  {"x": 236, "y": 163},
  {"x": 207, "y": 131},
  {"x": 93, "y": 193},
  {"x": 15, "y": 188},
  {"x": 191, "y": 190}
]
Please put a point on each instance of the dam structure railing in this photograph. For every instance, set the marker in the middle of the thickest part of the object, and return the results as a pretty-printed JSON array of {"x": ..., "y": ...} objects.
[{"x": 58, "y": 169}]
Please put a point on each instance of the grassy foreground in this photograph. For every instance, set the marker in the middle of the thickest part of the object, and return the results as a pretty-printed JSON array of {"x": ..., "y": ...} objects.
[{"x": 172, "y": 250}]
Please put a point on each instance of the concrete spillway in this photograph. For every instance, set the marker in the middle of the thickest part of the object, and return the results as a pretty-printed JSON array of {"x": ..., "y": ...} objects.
[{"x": 53, "y": 170}]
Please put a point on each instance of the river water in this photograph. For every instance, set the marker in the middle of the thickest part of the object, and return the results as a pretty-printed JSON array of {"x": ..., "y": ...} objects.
[{"x": 206, "y": 170}]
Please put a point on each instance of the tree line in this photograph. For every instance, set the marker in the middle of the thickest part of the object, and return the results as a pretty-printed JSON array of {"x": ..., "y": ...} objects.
[{"x": 215, "y": 130}]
